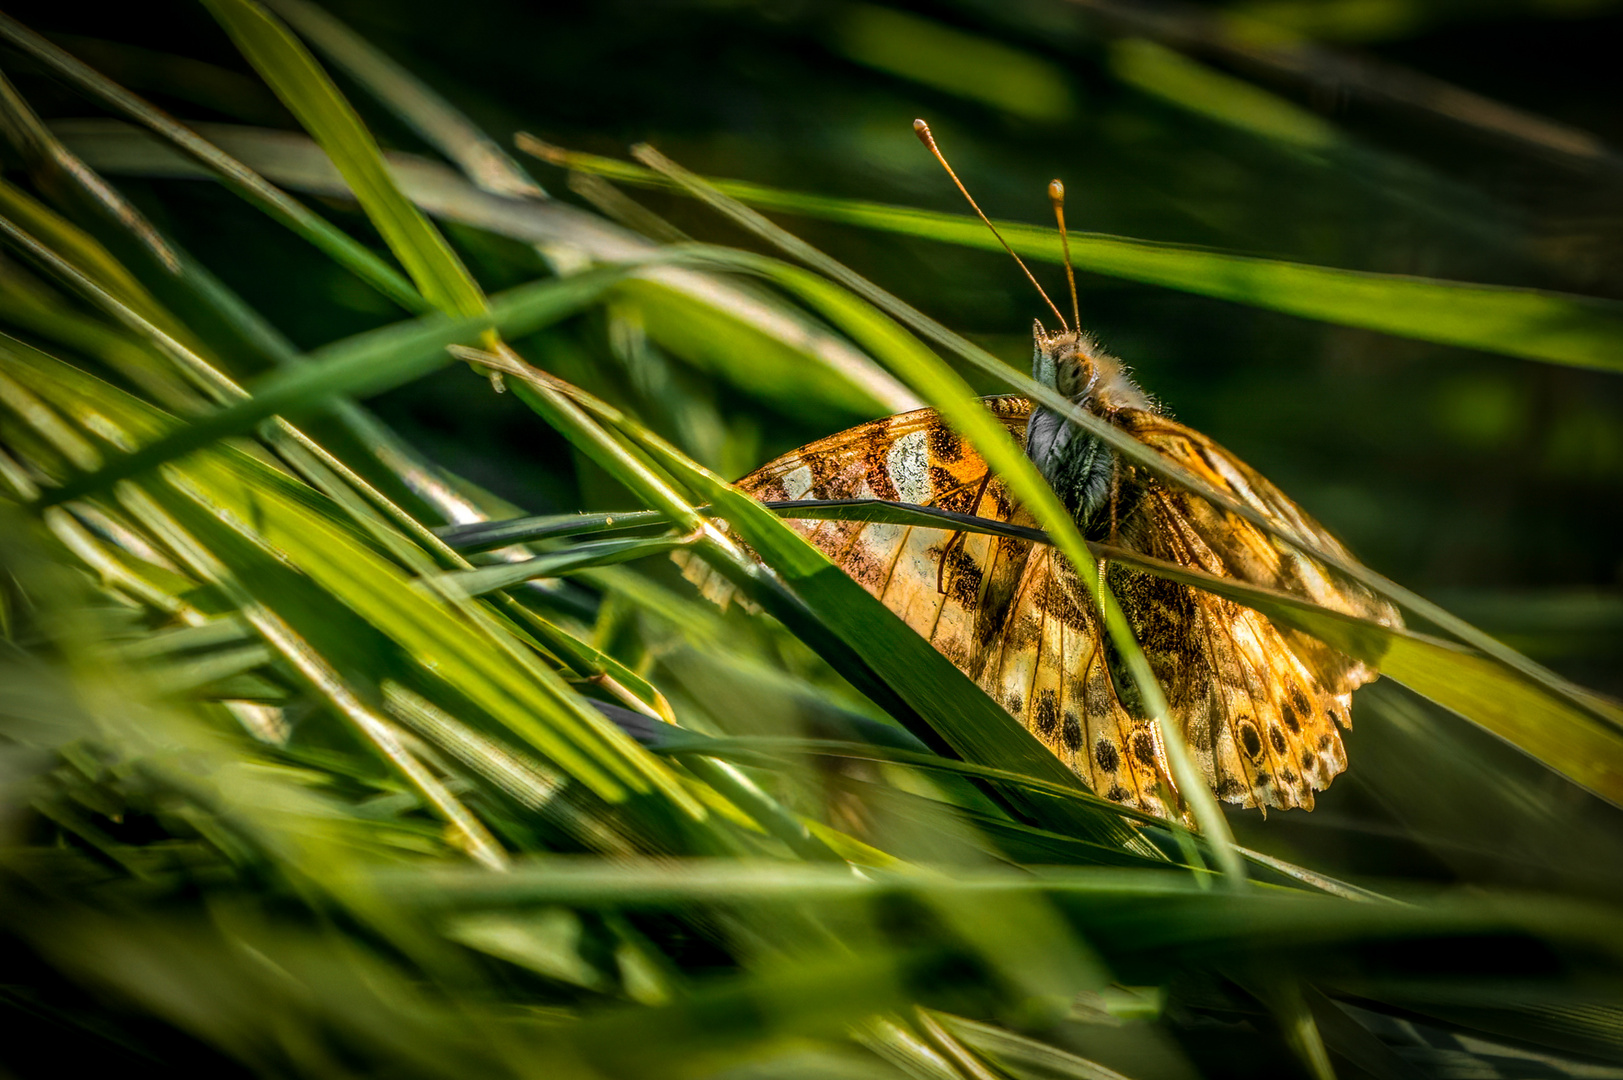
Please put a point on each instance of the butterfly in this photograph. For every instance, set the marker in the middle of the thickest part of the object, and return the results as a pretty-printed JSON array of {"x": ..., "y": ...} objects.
[{"x": 1259, "y": 706}]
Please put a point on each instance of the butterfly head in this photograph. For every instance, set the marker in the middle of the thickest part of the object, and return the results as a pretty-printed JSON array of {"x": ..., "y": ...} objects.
[{"x": 1072, "y": 362}]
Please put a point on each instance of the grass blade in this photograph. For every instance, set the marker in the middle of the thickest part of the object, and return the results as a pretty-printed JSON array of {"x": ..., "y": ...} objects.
[
  {"x": 411, "y": 99},
  {"x": 310, "y": 95}
]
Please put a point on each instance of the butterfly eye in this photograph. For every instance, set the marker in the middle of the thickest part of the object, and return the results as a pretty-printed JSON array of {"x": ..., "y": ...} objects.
[{"x": 1075, "y": 375}]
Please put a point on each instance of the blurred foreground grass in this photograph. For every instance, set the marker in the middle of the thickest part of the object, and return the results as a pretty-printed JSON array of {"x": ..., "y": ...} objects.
[{"x": 307, "y": 770}]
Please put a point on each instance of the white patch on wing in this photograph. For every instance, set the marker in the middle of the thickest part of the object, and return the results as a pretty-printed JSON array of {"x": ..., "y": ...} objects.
[
  {"x": 796, "y": 482},
  {"x": 909, "y": 463}
]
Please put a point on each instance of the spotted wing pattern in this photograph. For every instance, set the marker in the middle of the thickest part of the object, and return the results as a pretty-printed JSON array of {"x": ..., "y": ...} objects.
[
  {"x": 1258, "y": 706},
  {"x": 950, "y": 587}
]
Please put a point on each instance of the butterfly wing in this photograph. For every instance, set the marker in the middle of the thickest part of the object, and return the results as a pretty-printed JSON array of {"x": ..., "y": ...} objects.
[
  {"x": 1186, "y": 527},
  {"x": 1259, "y": 706}
]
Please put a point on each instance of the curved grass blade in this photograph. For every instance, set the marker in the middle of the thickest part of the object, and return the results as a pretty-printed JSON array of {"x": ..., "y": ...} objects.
[
  {"x": 960, "y": 713},
  {"x": 180, "y": 537},
  {"x": 558, "y": 563},
  {"x": 310, "y": 95},
  {"x": 486, "y": 535}
]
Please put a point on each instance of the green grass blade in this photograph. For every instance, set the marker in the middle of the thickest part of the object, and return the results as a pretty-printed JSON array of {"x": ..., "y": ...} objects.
[
  {"x": 310, "y": 95},
  {"x": 558, "y": 563},
  {"x": 411, "y": 99},
  {"x": 531, "y": 702}
]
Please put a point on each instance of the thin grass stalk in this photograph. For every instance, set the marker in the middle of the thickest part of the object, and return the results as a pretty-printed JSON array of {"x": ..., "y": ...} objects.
[{"x": 439, "y": 122}]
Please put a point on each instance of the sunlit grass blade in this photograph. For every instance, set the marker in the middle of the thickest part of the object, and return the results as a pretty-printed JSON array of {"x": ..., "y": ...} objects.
[
  {"x": 414, "y": 101},
  {"x": 311, "y": 96},
  {"x": 1024, "y": 1058},
  {"x": 292, "y": 520}
]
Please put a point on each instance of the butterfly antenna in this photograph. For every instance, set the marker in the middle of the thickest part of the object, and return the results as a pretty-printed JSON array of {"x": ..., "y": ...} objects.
[
  {"x": 1056, "y": 195},
  {"x": 922, "y": 130}
]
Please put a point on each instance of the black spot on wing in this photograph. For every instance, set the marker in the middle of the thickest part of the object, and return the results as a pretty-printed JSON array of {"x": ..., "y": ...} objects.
[
  {"x": 1144, "y": 749},
  {"x": 1296, "y": 708},
  {"x": 1117, "y": 793},
  {"x": 1046, "y": 714},
  {"x": 1072, "y": 732},
  {"x": 1250, "y": 741},
  {"x": 1104, "y": 752},
  {"x": 1277, "y": 737},
  {"x": 963, "y": 577}
]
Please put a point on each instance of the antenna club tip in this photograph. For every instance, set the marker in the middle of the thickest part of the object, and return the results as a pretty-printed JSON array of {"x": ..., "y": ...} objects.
[
  {"x": 1056, "y": 190},
  {"x": 922, "y": 130}
]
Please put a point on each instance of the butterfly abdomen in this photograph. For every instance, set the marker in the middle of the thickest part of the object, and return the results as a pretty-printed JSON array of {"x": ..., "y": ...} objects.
[{"x": 1077, "y": 465}]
